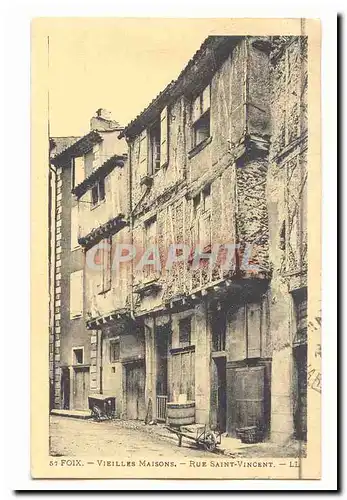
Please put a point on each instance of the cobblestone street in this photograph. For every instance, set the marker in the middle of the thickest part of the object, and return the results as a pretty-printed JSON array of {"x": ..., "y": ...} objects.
[{"x": 124, "y": 440}]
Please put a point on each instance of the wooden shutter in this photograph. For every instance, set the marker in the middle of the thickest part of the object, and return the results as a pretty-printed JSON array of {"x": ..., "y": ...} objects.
[
  {"x": 76, "y": 294},
  {"x": 79, "y": 170},
  {"x": 98, "y": 273},
  {"x": 205, "y": 231},
  {"x": 196, "y": 109},
  {"x": 143, "y": 168},
  {"x": 164, "y": 142},
  {"x": 206, "y": 99},
  {"x": 245, "y": 387},
  {"x": 107, "y": 264}
]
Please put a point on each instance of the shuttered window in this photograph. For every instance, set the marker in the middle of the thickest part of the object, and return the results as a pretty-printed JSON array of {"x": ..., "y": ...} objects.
[
  {"x": 76, "y": 294},
  {"x": 164, "y": 138},
  {"x": 143, "y": 154},
  {"x": 150, "y": 240},
  {"x": 200, "y": 114}
]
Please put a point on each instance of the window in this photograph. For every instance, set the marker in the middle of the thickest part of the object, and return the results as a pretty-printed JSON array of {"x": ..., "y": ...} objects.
[
  {"x": 219, "y": 324},
  {"x": 201, "y": 117},
  {"x": 98, "y": 192},
  {"x": 76, "y": 294},
  {"x": 77, "y": 355},
  {"x": 201, "y": 220},
  {"x": 150, "y": 239},
  {"x": 185, "y": 326},
  {"x": 74, "y": 227},
  {"x": 77, "y": 171},
  {"x": 153, "y": 150},
  {"x": 154, "y": 161},
  {"x": 114, "y": 350}
]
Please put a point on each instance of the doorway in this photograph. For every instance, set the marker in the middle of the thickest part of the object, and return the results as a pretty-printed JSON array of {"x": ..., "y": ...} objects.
[
  {"x": 65, "y": 388},
  {"x": 300, "y": 391},
  {"x": 221, "y": 393},
  {"x": 80, "y": 388},
  {"x": 135, "y": 391}
]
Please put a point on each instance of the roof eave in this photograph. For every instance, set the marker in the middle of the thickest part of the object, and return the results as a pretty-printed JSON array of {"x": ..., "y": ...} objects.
[
  {"x": 195, "y": 75},
  {"x": 80, "y": 147}
]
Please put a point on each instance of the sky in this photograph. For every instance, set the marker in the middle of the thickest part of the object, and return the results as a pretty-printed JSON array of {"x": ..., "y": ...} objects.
[{"x": 117, "y": 64}]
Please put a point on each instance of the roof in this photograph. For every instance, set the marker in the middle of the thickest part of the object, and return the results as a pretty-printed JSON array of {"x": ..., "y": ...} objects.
[
  {"x": 79, "y": 147},
  {"x": 58, "y": 144},
  {"x": 104, "y": 169},
  {"x": 194, "y": 76}
]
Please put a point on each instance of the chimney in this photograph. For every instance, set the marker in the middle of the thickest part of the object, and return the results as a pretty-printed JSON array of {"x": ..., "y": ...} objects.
[{"x": 102, "y": 121}]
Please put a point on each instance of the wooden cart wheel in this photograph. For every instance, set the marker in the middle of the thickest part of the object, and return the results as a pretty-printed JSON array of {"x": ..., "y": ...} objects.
[
  {"x": 96, "y": 413},
  {"x": 210, "y": 441}
]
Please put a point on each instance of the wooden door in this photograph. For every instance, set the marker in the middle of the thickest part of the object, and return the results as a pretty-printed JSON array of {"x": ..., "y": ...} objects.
[
  {"x": 221, "y": 394},
  {"x": 182, "y": 375},
  {"x": 245, "y": 394},
  {"x": 300, "y": 400},
  {"x": 135, "y": 391},
  {"x": 80, "y": 388}
]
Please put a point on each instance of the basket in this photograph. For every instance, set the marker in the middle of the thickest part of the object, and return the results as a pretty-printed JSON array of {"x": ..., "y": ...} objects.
[{"x": 250, "y": 435}]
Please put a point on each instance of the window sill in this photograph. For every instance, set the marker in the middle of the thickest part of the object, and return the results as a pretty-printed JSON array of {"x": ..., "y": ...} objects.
[
  {"x": 79, "y": 316},
  {"x": 177, "y": 350},
  {"x": 97, "y": 205},
  {"x": 199, "y": 147}
]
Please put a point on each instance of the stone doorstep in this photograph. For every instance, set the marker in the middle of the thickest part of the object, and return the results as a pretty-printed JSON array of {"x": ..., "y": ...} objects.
[{"x": 83, "y": 414}]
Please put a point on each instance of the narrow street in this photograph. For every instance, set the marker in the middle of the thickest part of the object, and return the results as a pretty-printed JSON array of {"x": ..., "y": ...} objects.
[{"x": 124, "y": 440}]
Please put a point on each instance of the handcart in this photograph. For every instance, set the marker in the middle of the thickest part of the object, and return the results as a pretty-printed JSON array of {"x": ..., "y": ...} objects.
[
  {"x": 102, "y": 407},
  {"x": 202, "y": 435}
]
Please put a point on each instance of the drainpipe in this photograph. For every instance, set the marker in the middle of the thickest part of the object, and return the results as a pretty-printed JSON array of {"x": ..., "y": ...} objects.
[{"x": 52, "y": 260}]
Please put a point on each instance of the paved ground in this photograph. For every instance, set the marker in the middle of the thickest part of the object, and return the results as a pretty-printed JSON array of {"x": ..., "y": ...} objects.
[
  {"x": 126, "y": 440},
  {"x": 135, "y": 440}
]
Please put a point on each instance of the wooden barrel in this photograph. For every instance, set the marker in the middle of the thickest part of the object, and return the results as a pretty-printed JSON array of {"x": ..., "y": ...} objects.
[{"x": 181, "y": 413}]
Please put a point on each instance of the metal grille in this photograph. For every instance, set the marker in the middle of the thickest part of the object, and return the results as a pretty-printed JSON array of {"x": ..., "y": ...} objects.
[{"x": 161, "y": 408}]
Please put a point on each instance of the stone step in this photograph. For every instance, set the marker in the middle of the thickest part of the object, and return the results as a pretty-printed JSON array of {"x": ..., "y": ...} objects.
[{"x": 84, "y": 414}]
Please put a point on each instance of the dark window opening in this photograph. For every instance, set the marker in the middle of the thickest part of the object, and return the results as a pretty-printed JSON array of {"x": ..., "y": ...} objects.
[
  {"x": 114, "y": 351},
  {"x": 300, "y": 306},
  {"x": 219, "y": 324},
  {"x": 185, "y": 326},
  {"x": 78, "y": 356},
  {"x": 98, "y": 192},
  {"x": 202, "y": 128}
]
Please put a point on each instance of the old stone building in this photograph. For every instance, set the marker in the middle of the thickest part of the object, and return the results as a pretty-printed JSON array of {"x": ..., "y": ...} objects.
[
  {"x": 73, "y": 162},
  {"x": 211, "y": 198}
]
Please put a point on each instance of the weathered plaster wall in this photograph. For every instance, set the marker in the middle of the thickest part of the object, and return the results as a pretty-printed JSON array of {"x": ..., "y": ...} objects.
[
  {"x": 69, "y": 333},
  {"x": 286, "y": 194},
  {"x": 115, "y": 203},
  {"x": 117, "y": 297}
]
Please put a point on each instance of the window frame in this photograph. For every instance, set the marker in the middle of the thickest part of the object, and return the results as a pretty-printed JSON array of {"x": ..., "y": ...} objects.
[
  {"x": 113, "y": 341},
  {"x": 74, "y": 357},
  {"x": 96, "y": 186},
  {"x": 203, "y": 114},
  {"x": 185, "y": 343}
]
